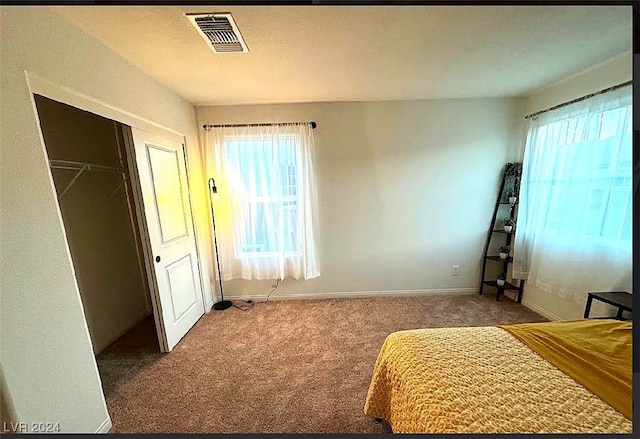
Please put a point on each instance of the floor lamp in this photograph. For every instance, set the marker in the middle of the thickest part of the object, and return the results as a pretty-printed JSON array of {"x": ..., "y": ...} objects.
[{"x": 222, "y": 304}]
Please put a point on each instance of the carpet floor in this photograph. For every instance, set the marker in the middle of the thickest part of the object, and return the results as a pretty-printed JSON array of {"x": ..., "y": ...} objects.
[{"x": 280, "y": 367}]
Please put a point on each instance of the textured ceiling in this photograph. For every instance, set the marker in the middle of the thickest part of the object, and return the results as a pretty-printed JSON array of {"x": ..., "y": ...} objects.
[{"x": 362, "y": 53}]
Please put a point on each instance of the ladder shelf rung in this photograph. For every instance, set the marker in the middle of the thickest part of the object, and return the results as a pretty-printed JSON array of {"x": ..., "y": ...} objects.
[
  {"x": 506, "y": 286},
  {"x": 497, "y": 258}
]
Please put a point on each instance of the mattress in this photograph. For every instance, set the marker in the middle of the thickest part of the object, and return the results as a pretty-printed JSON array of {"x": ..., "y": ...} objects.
[{"x": 480, "y": 380}]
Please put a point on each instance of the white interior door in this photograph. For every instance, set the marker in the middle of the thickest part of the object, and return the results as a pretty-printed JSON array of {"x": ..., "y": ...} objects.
[{"x": 162, "y": 175}]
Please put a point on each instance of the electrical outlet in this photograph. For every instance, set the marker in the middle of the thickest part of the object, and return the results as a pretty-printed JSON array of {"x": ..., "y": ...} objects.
[{"x": 455, "y": 270}]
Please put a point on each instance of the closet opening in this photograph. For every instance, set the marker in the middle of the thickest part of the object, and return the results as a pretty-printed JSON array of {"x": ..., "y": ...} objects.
[{"x": 90, "y": 170}]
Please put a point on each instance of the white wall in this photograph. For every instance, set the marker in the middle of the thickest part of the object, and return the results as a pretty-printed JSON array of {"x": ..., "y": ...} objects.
[
  {"x": 406, "y": 190},
  {"x": 45, "y": 348},
  {"x": 615, "y": 71},
  {"x": 599, "y": 77}
]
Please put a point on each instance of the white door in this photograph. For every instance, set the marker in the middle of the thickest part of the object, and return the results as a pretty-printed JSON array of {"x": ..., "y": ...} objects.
[{"x": 165, "y": 195}]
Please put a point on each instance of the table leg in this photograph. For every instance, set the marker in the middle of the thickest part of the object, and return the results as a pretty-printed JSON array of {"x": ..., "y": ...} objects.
[
  {"x": 587, "y": 309},
  {"x": 619, "y": 315}
]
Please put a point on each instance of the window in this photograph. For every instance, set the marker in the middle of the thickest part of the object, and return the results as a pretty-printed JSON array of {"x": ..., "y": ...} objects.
[
  {"x": 268, "y": 172},
  {"x": 591, "y": 175},
  {"x": 574, "y": 231},
  {"x": 268, "y": 194}
]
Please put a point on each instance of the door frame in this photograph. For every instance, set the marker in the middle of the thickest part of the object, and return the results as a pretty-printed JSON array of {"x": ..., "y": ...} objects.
[{"x": 41, "y": 86}]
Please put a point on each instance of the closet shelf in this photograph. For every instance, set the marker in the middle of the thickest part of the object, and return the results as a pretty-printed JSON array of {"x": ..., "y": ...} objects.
[{"x": 81, "y": 167}]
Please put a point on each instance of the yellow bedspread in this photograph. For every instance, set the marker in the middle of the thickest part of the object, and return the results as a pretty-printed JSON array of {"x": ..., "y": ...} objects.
[
  {"x": 479, "y": 380},
  {"x": 595, "y": 353}
]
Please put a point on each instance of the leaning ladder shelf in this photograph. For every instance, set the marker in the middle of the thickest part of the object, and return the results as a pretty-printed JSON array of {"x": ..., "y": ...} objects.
[{"x": 495, "y": 233}]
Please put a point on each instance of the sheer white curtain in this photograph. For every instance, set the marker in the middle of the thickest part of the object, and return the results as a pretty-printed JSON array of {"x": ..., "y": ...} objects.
[
  {"x": 574, "y": 229},
  {"x": 266, "y": 209}
]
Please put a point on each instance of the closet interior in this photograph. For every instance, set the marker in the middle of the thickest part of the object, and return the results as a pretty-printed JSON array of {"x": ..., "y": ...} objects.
[{"x": 89, "y": 166}]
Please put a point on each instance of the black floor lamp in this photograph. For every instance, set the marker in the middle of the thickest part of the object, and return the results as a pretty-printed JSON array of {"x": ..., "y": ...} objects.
[{"x": 222, "y": 304}]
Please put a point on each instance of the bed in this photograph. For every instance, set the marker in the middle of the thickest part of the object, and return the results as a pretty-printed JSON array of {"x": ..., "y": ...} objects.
[{"x": 552, "y": 377}]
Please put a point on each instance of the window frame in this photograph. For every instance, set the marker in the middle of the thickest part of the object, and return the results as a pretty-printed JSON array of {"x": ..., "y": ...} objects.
[{"x": 254, "y": 201}]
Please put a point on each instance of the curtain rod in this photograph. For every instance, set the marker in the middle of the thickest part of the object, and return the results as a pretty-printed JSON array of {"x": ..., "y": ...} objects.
[
  {"x": 207, "y": 127},
  {"x": 564, "y": 104}
]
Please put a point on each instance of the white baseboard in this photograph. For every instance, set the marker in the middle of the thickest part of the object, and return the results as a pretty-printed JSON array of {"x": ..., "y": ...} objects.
[
  {"x": 354, "y": 294},
  {"x": 208, "y": 307},
  {"x": 105, "y": 426},
  {"x": 540, "y": 310}
]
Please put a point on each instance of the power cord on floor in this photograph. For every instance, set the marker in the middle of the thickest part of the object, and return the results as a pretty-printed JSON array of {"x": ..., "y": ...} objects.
[{"x": 250, "y": 303}]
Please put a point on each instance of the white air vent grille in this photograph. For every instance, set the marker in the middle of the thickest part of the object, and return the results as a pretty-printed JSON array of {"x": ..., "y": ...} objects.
[{"x": 219, "y": 31}]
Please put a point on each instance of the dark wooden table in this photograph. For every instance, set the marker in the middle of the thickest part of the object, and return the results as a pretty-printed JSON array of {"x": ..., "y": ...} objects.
[{"x": 620, "y": 299}]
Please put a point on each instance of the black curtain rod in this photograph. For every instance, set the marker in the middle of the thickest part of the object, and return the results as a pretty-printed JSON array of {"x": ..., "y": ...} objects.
[
  {"x": 207, "y": 127},
  {"x": 564, "y": 104}
]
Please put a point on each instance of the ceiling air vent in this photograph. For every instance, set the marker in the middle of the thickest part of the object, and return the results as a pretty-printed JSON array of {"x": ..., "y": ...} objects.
[{"x": 219, "y": 31}]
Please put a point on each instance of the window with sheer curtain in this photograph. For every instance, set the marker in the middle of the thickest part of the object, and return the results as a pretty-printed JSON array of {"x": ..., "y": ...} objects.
[
  {"x": 268, "y": 201},
  {"x": 574, "y": 230}
]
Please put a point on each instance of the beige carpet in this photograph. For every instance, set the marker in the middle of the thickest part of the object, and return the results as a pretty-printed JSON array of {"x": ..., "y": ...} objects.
[{"x": 282, "y": 367}]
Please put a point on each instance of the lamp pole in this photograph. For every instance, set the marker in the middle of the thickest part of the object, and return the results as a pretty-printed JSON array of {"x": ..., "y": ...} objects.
[{"x": 222, "y": 304}]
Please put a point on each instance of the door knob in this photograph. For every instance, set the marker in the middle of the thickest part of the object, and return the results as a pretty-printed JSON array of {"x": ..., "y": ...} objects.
[{"x": 157, "y": 258}]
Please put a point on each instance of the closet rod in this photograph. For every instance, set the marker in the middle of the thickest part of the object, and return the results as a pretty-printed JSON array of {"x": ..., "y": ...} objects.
[
  {"x": 68, "y": 164},
  {"x": 81, "y": 167}
]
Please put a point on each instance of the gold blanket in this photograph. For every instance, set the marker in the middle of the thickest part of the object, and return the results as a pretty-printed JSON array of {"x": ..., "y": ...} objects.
[
  {"x": 595, "y": 353},
  {"x": 479, "y": 380}
]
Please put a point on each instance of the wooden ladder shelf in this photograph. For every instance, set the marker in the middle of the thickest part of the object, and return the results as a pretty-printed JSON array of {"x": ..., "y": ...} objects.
[{"x": 509, "y": 187}]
